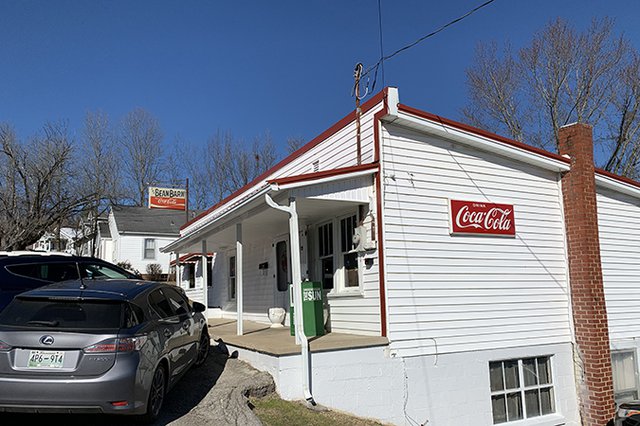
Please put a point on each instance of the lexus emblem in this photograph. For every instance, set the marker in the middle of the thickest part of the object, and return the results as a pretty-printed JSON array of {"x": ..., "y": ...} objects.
[{"x": 46, "y": 340}]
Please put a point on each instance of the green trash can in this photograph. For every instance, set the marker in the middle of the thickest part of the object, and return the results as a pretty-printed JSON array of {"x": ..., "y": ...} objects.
[{"x": 312, "y": 309}]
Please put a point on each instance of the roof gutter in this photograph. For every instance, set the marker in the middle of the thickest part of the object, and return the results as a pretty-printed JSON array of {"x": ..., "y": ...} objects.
[
  {"x": 616, "y": 184},
  {"x": 276, "y": 185}
]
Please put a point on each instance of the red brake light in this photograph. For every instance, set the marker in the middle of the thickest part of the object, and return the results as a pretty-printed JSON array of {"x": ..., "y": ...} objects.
[{"x": 128, "y": 344}]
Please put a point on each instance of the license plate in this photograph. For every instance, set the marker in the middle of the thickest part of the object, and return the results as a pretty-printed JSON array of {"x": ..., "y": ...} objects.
[{"x": 46, "y": 359}]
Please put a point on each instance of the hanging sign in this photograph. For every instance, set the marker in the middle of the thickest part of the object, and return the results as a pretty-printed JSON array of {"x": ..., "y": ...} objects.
[
  {"x": 472, "y": 217},
  {"x": 167, "y": 198}
]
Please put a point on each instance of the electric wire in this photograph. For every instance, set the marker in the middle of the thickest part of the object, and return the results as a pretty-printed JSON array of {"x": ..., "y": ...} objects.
[{"x": 380, "y": 63}]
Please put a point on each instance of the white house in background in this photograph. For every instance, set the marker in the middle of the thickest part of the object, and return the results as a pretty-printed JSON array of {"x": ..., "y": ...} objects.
[
  {"x": 137, "y": 233},
  {"x": 62, "y": 242},
  {"x": 479, "y": 328},
  {"x": 104, "y": 242}
]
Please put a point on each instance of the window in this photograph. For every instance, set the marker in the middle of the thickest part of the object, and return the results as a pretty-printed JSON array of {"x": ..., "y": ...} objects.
[
  {"x": 283, "y": 275},
  {"x": 349, "y": 256},
  {"x": 177, "y": 302},
  {"x": 625, "y": 376},
  {"x": 338, "y": 261},
  {"x": 232, "y": 278},
  {"x": 160, "y": 304},
  {"x": 50, "y": 272},
  {"x": 209, "y": 272},
  {"x": 521, "y": 389},
  {"x": 325, "y": 252},
  {"x": 149, "y": 248},
  {"x": 191, "y": 271}
]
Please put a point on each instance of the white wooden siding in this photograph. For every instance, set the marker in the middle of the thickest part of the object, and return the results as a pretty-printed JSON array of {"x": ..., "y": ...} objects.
[
  {"x": 458, "y": 293},
  {"x": 619, "y": 228},
  {"x": 131, "y": 248}
]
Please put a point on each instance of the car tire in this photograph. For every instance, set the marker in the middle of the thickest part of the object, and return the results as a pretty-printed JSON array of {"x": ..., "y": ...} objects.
[
  {"x": 203, "y": 348},
  {"x": 156, "y": 395}
]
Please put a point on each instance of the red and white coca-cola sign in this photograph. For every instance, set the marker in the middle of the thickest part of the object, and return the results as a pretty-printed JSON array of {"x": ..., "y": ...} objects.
[{"x": 472, "y": 217}]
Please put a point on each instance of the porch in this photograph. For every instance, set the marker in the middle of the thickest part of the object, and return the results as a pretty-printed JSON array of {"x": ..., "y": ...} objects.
[{"x": 277, "y": 342}]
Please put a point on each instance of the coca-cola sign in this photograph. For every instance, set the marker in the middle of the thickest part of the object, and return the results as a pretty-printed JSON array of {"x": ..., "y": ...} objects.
[{"x": 472, "y": 217}]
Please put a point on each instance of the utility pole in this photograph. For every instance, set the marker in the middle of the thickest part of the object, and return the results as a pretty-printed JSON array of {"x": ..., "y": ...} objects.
[{"x": 356, "y": 74}]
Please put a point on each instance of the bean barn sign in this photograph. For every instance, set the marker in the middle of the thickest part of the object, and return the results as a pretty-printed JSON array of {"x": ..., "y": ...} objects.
[
  {"x": 167, "y": 198},
  {"x": 471, "y": 217}
]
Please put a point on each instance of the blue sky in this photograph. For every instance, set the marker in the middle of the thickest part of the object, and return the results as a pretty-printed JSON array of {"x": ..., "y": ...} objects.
[{"x": 250, "y": 66}]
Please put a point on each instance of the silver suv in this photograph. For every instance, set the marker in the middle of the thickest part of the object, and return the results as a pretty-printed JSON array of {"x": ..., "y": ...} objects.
[{"x": 108, "y": 346}]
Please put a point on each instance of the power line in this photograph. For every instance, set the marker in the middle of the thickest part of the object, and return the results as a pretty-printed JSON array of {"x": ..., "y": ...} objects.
[{"x": 380, "y": 63}]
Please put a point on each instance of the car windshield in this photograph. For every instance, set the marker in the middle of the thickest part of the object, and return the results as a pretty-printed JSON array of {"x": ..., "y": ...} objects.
[{"x": 62, "y": 314}]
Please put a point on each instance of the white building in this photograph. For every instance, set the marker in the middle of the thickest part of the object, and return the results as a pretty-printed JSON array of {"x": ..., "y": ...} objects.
[
  {"x": 59, "y": 242},
  {"x": 135, "y": 235},
  {"x": 477, "y": 329}
]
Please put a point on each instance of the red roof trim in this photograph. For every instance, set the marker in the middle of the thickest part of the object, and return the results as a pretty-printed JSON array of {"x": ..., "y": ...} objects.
[
  {"x": 622, "y": 179},
  {"x": 508, "y": 141},
  {"x": 484, "y": 133},
  {"x": 189, "y": 256},
  {"x": 324, "y": 174},
  {"x": 313, "y": 143}
]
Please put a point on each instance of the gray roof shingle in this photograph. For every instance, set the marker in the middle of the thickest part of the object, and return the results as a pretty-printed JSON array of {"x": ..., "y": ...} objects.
[{"x": 142, "y": 220}]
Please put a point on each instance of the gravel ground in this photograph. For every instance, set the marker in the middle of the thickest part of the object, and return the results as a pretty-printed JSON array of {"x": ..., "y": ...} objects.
[{"x": 213, "y": 394}]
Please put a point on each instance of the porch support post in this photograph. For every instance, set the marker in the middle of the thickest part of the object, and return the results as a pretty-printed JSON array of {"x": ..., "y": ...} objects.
[
  {"x": 178, "y": 274},
  {"x": 239, "y": 279},
  {"x": 296, "y": 277},
  {"x": 205, "y": 279}
]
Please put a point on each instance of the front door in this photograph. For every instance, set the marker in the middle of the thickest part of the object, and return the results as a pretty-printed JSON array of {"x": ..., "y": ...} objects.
[{"x": 282, "y": 274}]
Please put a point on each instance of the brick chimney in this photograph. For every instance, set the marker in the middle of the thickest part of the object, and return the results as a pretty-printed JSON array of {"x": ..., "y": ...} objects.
[{"x": 594, "y": 380}]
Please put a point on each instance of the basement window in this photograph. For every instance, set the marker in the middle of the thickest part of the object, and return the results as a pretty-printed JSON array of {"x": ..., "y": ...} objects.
[
  {"x": 521, "y": 389},
  {"x": 625, "y": 376}
]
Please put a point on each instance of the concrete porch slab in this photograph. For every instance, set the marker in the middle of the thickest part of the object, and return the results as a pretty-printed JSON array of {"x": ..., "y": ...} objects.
[{"x": 261, "y": 338}]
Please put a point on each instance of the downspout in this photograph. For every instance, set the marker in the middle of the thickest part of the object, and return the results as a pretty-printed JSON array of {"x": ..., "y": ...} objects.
[{"x": 297, "y": 292}]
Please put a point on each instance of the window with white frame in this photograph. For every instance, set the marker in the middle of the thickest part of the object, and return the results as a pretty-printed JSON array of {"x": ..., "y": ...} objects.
[
  {"x": 625, "y": 376},
  {"x": 338, "y": 261},
  {"x": 232, "y": 277},
  {"x": 325, "y": 254},
  {"x": 521, "y": 389},
  {"x": 149, "y": 248},
  {"x": 349, "y": 255}
]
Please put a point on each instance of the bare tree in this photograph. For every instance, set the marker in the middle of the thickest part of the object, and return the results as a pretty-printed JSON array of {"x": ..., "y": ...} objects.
[
  {"x": 230, "y": 164},
  {"x": 38, "y": 189},
  {"x": 99, "y": 171},
  {"x": 563, "y": 76},
  {"x": 141, "y": 143},
  {"x": 294, "y": 143}
]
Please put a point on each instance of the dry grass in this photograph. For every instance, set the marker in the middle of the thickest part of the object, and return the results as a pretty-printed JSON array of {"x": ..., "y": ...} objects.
[{"x": 274, "y": 411}]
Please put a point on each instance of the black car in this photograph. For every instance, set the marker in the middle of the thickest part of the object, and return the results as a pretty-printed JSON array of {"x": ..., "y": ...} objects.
[
  {"x": 98, "y": 346},
  {"x": 23, "y": 271}
]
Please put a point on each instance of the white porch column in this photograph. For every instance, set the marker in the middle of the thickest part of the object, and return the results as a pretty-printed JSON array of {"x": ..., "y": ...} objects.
[
  {"x": 239, "y": 278},
  {"x": 205, "y": 278},
  {"x": 178, "y": 274}
]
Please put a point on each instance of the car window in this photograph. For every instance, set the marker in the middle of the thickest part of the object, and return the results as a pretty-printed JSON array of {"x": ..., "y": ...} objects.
[
  {"x": 178, "y": 303},
  {"x": 160, "y": 304},
  {"x": 133, "y": 315},
  {"x": 50, "y": 272},
  {"x": 59, "y": 314},
  {"x": 98, "y": 271}
]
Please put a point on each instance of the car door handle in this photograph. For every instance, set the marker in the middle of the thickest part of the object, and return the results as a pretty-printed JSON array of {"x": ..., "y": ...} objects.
[{"x": 167, "y": 332}]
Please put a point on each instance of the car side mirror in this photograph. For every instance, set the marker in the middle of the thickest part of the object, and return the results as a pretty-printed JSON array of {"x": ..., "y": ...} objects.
[{"x": 199, "y": 307}]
